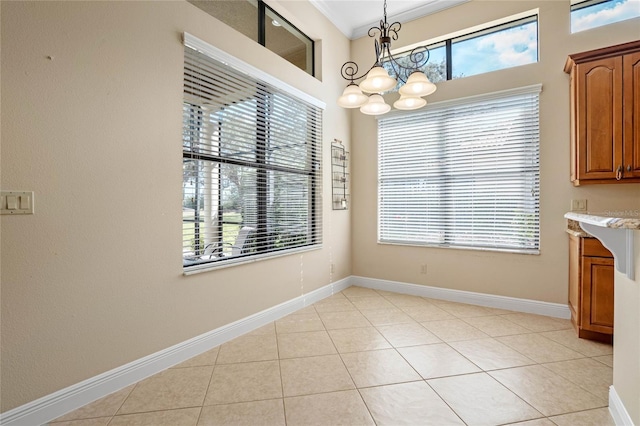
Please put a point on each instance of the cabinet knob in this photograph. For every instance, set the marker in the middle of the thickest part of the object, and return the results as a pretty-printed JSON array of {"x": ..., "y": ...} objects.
[
  {"x": 628, "y": 167},
  {"x": 619, "y": 173}
]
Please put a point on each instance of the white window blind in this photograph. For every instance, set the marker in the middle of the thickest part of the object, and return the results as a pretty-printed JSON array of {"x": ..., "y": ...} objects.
[
  {"x": 251, "y": 166},
  {"x": 462, "y": 174}
]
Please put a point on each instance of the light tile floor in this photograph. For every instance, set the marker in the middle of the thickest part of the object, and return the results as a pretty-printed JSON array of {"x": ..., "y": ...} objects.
[{"x": 364, "y": 357}]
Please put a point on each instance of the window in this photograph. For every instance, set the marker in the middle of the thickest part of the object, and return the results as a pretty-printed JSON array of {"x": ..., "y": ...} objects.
[
  {"x": 462, "y": 174},
  {"x": 505, "y": 46},
  {"x": 596, "y": 13},
  {"x": 251, "y": 155},
  {"x": 477, "y": 51},
  {"x": 259, "y": 22}
]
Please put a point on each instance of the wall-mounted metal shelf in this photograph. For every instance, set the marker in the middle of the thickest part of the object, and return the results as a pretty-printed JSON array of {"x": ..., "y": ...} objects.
[{"x": 339, "y": 175}]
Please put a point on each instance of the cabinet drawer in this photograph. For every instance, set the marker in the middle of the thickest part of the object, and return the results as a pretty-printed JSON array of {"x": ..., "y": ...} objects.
[{"x": 593, "y": 247}]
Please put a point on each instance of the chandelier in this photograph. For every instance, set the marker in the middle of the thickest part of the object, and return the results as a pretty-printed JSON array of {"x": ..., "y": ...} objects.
[{"x": 415, "y": 84}]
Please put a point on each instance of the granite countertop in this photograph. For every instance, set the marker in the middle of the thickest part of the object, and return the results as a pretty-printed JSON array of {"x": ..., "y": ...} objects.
[
  {"x": 573, "y": 228},
  {"x": 623, "y": 221}
]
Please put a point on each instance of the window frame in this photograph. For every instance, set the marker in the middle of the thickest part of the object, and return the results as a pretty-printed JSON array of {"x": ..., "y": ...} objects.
[{"x": 313, "y": 171}]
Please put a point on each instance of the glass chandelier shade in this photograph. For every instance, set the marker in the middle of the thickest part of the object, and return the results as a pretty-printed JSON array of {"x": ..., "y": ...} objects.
[
  {"x": 352, "y": 97},
  {"x": 378, "y": 81},
  {"x": 375, "y": 106},
  {"x": 417, "y": 84},
  {"x": 409, "y": 102}
]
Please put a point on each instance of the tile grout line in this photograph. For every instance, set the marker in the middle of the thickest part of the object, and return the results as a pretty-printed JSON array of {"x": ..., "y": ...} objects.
[
  {"x": 213, "y": 370},
  {"x": 568, "y": 379},
  {"x": 123, "y": 401},
  {"x": 284, "y": 407},
  {"x": 444, "y": 401}
]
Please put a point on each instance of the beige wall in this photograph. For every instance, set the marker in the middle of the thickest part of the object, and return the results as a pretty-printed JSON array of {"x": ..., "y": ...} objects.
[
  {"x": 542, "y": 277},
  {"x": 94, "y": 279}
]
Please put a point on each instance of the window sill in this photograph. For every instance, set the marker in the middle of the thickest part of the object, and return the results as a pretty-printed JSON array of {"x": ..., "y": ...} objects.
[
  {"x": 444, "y": 246},
  {"x": 196, "y": 269}
]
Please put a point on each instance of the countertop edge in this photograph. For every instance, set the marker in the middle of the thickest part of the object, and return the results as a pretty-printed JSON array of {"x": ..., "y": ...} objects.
[{"x": 605, "y": 221}]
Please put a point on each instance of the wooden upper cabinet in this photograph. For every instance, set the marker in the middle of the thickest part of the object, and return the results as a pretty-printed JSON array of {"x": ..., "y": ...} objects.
[
  {"x": 631, "y": 84},
  {"x": 599, "y": 117},
  {"x": 605, "y": 114}
]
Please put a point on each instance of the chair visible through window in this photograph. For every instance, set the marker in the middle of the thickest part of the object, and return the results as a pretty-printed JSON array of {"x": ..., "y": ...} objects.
[
  {"x": 216, "y": 250},
  {"x": 240, "y": 245}
]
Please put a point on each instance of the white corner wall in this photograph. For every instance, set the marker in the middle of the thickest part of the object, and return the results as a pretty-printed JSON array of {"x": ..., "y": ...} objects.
[{"x": 626, "y": 343}]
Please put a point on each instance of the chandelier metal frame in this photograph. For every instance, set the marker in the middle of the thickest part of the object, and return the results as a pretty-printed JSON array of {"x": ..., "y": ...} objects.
[
  {"x": 414, "y": 83},
  {"x": 418, "y": 56}
]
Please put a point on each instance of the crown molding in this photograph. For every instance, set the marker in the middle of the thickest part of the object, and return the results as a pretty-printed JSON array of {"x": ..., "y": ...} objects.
[{"x": 331, "y": 9}]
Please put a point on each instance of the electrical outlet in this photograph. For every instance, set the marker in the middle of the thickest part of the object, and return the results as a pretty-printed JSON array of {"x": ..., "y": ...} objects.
[
  {"x": 423, "y": 268},
  {"x": 578, "y": 205}
]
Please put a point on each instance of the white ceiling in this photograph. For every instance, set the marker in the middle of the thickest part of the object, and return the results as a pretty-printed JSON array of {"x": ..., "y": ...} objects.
[{"x": 355, "y": 17}]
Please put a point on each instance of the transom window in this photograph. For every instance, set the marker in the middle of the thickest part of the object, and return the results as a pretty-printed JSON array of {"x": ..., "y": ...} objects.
[
  {"x": 477, "y": 51},
  {"x": 596, "y": 13},
  {"x": 251, "y": 156},
  {"x": 462, "y": 174},
  {"x": 262, "y": 24}
]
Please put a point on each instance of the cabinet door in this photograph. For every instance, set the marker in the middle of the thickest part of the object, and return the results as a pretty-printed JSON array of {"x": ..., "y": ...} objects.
[
  {"x": 599, "y": 118},
  {"x": 597, "y": 294},
  {"x": 631, "y": 87}
]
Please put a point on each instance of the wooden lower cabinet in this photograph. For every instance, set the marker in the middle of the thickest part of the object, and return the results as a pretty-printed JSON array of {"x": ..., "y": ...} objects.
[{"x": 591, "y": 288}]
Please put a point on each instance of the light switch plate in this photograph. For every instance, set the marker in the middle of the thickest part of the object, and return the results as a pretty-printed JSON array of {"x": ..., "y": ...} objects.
[
  {"x": 16, "y": 202},
  {"x": 578, "y": 205}
]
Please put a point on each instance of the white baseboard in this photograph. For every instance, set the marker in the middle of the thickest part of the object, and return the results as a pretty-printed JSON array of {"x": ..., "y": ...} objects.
[
  {"x": 65, "y": 400},
  {"x": 556, "y": 310},
  {"x": 617, "y": 410}
]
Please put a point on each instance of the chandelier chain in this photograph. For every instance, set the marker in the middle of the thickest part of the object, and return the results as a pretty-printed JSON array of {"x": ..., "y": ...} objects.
[{"x": 384, "y": 34}]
